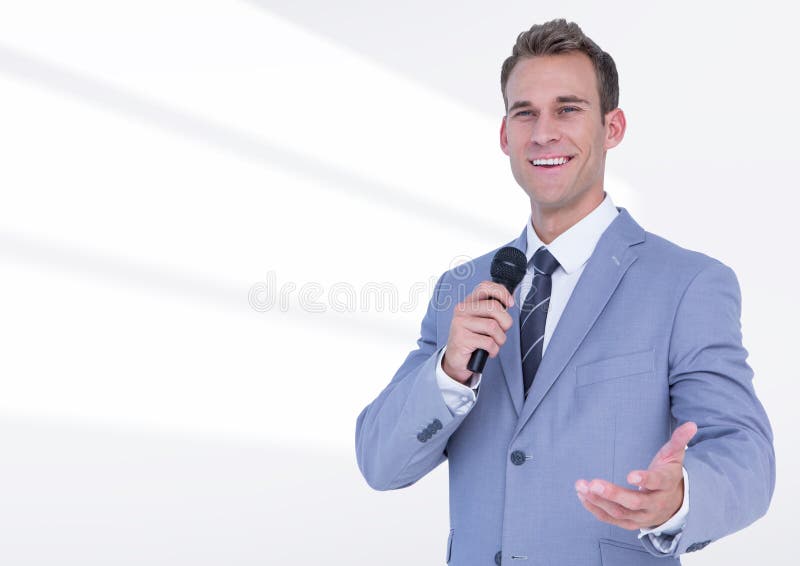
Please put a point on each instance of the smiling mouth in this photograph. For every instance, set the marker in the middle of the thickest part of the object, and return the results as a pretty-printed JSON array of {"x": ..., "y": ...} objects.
[{"x": 551, "y": 163}]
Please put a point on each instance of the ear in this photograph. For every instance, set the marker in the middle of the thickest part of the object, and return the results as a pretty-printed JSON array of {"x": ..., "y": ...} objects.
[
  {"x": 503, "y": 136},
  {"x": 615, "y": 128}
]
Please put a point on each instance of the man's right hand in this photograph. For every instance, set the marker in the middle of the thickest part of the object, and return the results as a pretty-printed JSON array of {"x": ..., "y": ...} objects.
[{"x": 479, "y": 322}]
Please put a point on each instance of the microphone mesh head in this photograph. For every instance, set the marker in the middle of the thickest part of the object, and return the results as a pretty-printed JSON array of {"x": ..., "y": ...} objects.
[{"x": 508, "y": 267}]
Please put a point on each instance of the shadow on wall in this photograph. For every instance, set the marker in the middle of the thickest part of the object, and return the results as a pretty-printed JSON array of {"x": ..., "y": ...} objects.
[
  {"x": 242, "y": 144},
  {"x": 77, "y": 494}
]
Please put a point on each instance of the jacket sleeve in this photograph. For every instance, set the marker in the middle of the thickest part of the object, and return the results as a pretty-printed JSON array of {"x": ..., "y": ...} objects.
[
  {"x": 402, "y": 434},
  {"x": 731, "y": 459}
]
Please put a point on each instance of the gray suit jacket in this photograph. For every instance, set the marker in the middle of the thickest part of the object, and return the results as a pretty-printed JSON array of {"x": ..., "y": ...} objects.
[{"x": 649, "y": 339}]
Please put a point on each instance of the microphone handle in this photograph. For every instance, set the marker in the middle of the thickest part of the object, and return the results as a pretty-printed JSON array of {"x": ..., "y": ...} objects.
[{"x": 477, "y": 361}]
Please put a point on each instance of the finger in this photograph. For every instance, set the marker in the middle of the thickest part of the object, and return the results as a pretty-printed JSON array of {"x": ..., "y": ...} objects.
[
  {"x": 462, "y": 342},
  {"x": 478, "y": 341},
  {"x": 629, "y": 499},
  {"x": 487, "y": 327},
  {"x": 605, "y": 494},
  {"x": 676, "y": 446},
  {"x": 600, "y": 514},
  {"x": 487, "y": 309},
  {"x": 492, "y": 290},
  {"x": 657, "y": 479}
]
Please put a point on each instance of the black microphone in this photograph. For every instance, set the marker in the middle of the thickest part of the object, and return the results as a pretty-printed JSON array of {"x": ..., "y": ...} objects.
[{"x": 508, "y": 268}]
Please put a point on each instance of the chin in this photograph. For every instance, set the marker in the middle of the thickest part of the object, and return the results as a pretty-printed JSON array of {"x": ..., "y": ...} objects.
[{"x": 548, "y": 198}]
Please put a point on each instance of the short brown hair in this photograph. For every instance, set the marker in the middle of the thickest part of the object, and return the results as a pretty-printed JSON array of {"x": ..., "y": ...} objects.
[{"x": 560, "y": 36}]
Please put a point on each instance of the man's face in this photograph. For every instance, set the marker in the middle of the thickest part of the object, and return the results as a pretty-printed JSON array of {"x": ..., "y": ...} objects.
[{"x": 554, "y": 113}]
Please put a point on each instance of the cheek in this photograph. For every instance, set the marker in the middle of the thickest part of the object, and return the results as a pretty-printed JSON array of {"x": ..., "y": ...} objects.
[{"x": 518, "y": 134}]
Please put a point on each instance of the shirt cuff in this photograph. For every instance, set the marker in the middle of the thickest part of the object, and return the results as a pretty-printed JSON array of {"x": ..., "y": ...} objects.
[
  {"x": 665, "y": 537},
  {"x": 458, "y": 397}
]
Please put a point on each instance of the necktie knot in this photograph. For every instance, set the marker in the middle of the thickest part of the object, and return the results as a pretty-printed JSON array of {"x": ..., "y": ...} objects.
[{"x": 544, "y": 262}]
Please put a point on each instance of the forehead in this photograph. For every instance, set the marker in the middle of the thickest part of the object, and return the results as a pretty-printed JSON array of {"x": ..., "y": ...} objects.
[{"x": 542, "y": 78}]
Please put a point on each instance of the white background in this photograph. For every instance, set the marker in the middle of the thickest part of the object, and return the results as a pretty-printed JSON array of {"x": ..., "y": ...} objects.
[{"x": 159, "y": 159}]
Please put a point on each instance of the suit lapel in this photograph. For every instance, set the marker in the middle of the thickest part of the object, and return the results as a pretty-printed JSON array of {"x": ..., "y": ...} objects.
[
  {"x": 608, "y": 263},
  {"x": 510, "y": 356}
]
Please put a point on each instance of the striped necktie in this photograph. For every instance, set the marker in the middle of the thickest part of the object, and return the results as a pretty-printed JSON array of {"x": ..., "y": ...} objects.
[{"x": 533, "y": 314}]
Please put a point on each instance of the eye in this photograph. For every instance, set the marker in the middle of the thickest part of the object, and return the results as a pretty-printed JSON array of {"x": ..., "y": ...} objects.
[
  {"x": 569, "y": 109},
  {"x": 523, "y": 113}
]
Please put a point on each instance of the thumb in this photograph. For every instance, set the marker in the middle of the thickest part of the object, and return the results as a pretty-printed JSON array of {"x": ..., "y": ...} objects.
[{"x": 673, "y": 450}]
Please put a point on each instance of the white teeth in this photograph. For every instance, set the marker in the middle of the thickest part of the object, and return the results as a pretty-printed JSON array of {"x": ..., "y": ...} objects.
[{"x": 551, "y": 161}]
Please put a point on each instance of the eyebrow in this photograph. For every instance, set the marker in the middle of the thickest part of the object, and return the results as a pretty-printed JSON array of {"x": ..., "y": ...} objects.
[{"x": 559, "y": 99}]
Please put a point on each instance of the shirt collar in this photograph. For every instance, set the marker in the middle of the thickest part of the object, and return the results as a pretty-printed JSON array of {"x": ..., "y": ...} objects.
[{"x": 574, "y": 247}]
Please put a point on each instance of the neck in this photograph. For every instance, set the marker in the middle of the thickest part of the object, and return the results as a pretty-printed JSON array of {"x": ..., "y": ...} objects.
[{"x": 550, "y": 223}]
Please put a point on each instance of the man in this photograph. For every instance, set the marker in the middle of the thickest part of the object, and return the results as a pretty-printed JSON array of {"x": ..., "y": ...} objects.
[{"x": 615, "y": 421}]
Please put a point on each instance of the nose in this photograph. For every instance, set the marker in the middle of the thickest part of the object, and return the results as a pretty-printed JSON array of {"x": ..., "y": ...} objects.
[{"x": 545, "y": 130}]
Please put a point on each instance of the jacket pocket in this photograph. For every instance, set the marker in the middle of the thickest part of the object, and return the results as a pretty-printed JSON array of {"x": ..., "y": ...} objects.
[
  {"x": 449, "y": 546},
  {"x": 613, "y": 368},
  {"x": 616, "y": 553}
]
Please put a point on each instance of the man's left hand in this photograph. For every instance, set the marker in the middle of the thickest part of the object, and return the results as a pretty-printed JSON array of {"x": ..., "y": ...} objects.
[{"x": 660, "y": 492}]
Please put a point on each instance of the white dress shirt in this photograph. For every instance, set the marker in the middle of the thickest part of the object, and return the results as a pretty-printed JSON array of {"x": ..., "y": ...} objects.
[{"x": 572, "y": 249}]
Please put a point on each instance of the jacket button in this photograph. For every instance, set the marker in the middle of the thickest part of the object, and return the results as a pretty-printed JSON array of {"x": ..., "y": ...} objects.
[
  {"x": 498, "y": 558},
  {"x": 437, "y": 424},
  {"x": 421, "y": 437},
  {"x": 518, "y": 457}
]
